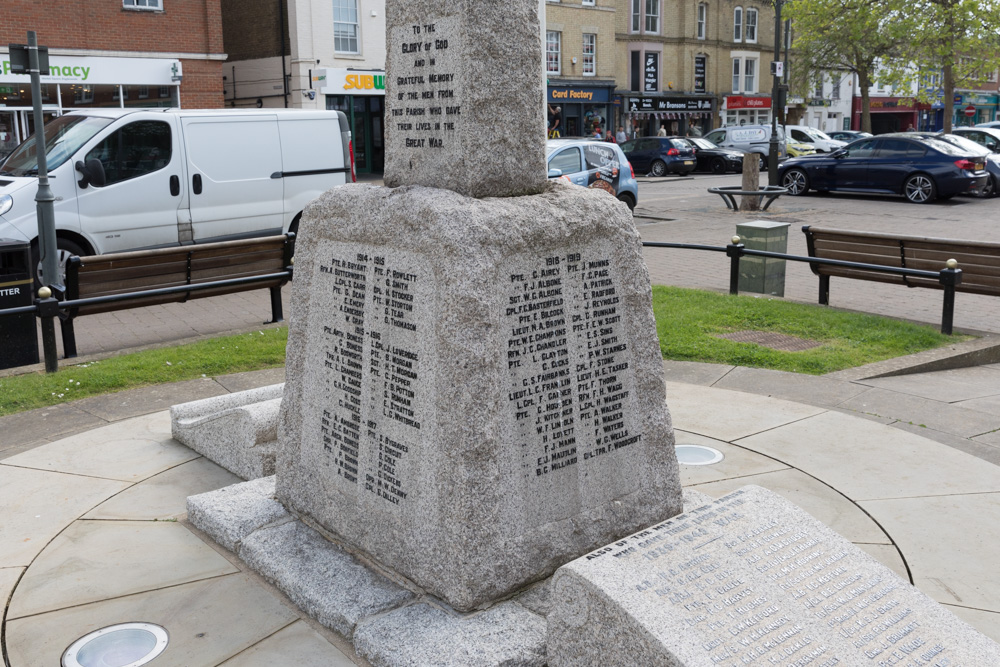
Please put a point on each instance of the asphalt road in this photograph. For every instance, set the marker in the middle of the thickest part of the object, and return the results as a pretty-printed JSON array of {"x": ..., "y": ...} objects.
[{"x": 681, "y": 210}]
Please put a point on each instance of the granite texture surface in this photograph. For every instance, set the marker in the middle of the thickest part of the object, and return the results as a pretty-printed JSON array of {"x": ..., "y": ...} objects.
[
  {"x": 320, "y": 578},
  {"x": 421, "y": 634},
  {"x": 465, "y": 96},
  {"x": 238, "y": 431},
  {"x": 231, "y": 513},
  {"x": 474, "y": 390},
  {"x": 748, "y": 579}
]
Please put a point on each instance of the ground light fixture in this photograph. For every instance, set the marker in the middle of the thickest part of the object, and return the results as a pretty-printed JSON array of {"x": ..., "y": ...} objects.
[
  {"x": 121, "y": 645},
  {"x": 697, "y": 455}
]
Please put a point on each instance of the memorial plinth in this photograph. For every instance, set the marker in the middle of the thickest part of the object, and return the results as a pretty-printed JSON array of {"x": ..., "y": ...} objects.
[
  {"x": 749, "y": 579},
  {"x": 465, "y": 96},
  {"x": 475, "y": 392}
]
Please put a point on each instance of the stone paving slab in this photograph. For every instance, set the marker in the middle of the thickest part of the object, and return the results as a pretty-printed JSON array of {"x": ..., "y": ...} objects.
[
  {"x": 164, "y": 496},
  {"x": 208, "y": 622},
  {"x": 951, "y": 386},
  {"x": 32, "y": 514},
  {"x": 980, "y": 446},
  {"x": 808, "y": 389},
  {"x": 99, "y": 560},
  {"x": 942, "y": 566},
  {"x": 868, "y": 461},
  {"x": 142, "y": 401},
  {"x": 692, "y": 372},
  {"x": 917, "y": 410},
  {"x": 297, "y": 644},
  {"x": 8, "y": 577},
  {"x": 44, "y": 424},
  {"x": 739, "y": 463}
]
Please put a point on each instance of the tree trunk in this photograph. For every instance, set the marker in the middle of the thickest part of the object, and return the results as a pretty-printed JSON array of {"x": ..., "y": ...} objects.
[
  {"x": 948, "y": 71},
  {"x": 864, "y": 83},
  {"x": 751, "y": 181}
]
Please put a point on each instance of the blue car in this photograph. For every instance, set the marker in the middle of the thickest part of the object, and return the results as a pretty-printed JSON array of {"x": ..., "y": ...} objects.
[
  {"x": 921, "y": 169},
  {"x": 593, "y": 164},
  {"x": 660, "y": 156}
]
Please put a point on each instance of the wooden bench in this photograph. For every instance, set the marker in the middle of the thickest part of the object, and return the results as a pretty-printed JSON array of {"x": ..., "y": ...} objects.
[
  {"x": 978, "y": 262},
  {"x": 152, "y": 277}
]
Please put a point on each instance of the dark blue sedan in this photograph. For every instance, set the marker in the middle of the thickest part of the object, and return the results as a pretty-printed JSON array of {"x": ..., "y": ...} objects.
[
  {"x": 660, "y": 156},
  {"x": 919, "y": 168}
]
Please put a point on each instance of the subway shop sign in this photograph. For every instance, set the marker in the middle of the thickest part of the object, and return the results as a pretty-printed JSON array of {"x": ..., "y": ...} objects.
[
  {"x": 97, "y": 70},
  {"x": 342, "y": 81}
]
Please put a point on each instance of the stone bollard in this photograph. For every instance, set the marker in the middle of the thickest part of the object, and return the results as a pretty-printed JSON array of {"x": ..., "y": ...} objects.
[{"x": 751, "y": 181}]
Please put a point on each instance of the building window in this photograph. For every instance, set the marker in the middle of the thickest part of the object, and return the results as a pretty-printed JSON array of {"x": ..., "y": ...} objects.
[
  {"x": 736, "y": 75},
  {"x": 819, "y": 86},
  {"x": 143, "y": 4},
  {"x": 702, "y": 19},
  {"x": 835, "y": 90},
  {"x": 553, "y": 41},
  {"x": 587, "y": 3},
  {"x": 749, "y": 75},
  {"x": 738, "y": 24},
  {"x": 345, "y": 26},
  {"x": 636, "y": 15},
  {"x": 653, "y": 16},
  {"x": 751, "y": 28},
  {"x": 589, "y": 54}
]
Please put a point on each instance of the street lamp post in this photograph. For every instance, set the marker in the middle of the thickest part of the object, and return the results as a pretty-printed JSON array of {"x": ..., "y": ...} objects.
[{"x": 772, "y": 154}]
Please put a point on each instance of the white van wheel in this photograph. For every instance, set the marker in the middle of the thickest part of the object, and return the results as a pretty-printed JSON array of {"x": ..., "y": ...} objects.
[{"x": 65, "y": 248}]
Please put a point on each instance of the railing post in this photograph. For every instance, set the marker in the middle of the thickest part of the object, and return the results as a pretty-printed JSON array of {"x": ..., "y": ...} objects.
[
  {"x": 734, "y": 251},
  {"x": 949, "y": 278},
  {"x": 48, "y": 311}
]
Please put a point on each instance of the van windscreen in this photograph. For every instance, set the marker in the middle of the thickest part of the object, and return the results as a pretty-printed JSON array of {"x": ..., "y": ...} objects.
[{"x": 63, "y": 137}]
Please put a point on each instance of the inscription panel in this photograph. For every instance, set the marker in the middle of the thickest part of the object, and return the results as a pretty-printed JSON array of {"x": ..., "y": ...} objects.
[
  {"x": 760, "y": 587},
  {"x": 427, "y": 88},
  {"x": 370, "y": 426},
  {"x": 570, "y": 367}
]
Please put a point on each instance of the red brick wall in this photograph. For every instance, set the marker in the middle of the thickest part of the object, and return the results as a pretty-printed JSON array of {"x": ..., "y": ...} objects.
[{"x": 185, "y": 26}]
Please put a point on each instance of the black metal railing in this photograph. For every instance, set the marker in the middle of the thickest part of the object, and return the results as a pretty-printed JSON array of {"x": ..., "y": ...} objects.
[{"x": 948, "y": 278}]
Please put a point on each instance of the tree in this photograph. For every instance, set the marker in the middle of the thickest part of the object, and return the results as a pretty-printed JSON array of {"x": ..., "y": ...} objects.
[
  {"x": 960, "y": 39},
  {"x": 858, "y": 36}
]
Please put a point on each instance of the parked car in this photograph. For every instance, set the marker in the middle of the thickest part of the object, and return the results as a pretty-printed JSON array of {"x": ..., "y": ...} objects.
[
  {"x": 748, "y": 138},
  {"x": 715, "y": 159},
  {"x": 127, "y": 179},
  {"x": 921, "y": 169},
  {"x": 848, "y": 135},
  {"x": 989, "y": 137},
  {"x": 660, "y": 156},
  {"x": 796, "y": 149},
  {"x": 810, "y": 135},
  {"x": 962, "y": 140},
  {"x": 593, "y": 164},
  {"x": 992, "y": 123}
]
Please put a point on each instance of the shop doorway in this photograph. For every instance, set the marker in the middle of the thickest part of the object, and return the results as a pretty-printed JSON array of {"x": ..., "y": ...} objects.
[{"x": 366, "y": 116}]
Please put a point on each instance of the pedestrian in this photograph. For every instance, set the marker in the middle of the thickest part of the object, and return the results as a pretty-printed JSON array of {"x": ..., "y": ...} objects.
[
  {"x": 609, "y": 136},
  {"x": 662, "y": 132},
  {"x": 597, "y": 133},
  {"x": 555, "y": 122},
  {"x": 621, "y": 137},
  {"x": 911, "y": 128}
]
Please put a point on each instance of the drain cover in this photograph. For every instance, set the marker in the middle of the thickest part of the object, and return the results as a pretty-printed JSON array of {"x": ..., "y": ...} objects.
[
  {"x": 775, "y": 341},
  {"x": 122, "y": 645},
  {"x": 697, "y": 455}
]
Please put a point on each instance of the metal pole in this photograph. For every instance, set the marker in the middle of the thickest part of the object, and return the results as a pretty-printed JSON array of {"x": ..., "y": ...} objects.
[
  {"x": 44, "y": 205},
  {"x": 772, "y": 154},
  {"x": 734, "y": 251}
]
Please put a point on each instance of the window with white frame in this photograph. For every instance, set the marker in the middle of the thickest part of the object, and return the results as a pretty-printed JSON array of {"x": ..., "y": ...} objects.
[
  {"x": 553, "y": 47},
  {"x": 653, "y": 16},
  {"x": 738, "y": 24},
  {"x": 749, "y": 75},
  {"x": 835, "y": 89},
  {"x": 587, "y": 3},
  {"x": 143, "y": 4},
  {"x": 636, "y": 15},
  {"x": 702, "y": 20},
  {"x": 750, "y": 32},
  {"x": 819, "y": 86},
  {"x": 737, "y": 70},
  {"x": 345, "y": 26},
  {"x": 589, "y": 54}
]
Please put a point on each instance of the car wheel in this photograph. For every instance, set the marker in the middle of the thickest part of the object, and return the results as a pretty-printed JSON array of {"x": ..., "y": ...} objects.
[
  {"x": 659, "y": 168},
  {"x": 990, "y": 189},
  {"x": 796, "y": 182},
  {"x": 718, "y": 166},
  {"x": 920, "y": 189},
  {"x": 65, "y": 248},
  {"x": 629, "y": 200}
]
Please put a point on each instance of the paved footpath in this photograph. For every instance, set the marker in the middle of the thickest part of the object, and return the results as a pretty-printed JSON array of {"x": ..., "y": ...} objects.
[{"x": 95, "y": 533}]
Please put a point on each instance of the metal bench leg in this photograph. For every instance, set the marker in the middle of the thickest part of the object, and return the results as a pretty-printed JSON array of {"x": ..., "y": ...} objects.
[
  {"x": 824, "y": 290},
  {"x": 276, "y": 313},
  {"x": 68, "y": 337}
]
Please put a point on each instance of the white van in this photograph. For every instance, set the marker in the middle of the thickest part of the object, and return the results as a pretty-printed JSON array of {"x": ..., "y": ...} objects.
[
  {"x": 823, "y": 142},
  {"x": 129, "y": 179},
  {"x": 749, "y": 138}
]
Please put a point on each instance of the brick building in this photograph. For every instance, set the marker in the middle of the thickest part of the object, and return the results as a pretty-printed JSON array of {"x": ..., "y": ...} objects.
[{"x": 117, "y": 53}]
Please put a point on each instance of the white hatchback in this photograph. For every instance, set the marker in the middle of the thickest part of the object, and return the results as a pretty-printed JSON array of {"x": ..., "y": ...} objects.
[{"x": 804, "y": 134}]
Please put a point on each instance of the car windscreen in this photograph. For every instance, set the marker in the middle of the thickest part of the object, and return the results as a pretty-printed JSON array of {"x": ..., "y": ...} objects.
[
  {"x": 702, "y": 143},
  {"x": 942, "y": 146},
  {"x": 63, "y": 137},
  {"x": 818, "y": 134}
]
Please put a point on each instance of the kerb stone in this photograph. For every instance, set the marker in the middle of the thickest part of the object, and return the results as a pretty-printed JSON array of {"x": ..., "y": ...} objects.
[
  {"x": 748, "y": 579},
  {"x": 474, "y": 391},
  {"x": 465, "y": 96}
]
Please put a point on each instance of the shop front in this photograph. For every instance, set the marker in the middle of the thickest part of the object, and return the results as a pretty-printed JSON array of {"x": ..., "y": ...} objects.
[
  {"x": 746, "y": 110},
  {"x": 361, "y": 95},
  {"x": 892, "y": 114},
  {"x": 643, "y": 116},
  {"x": 973, "y": 108},
  {"x": 76, "y": 82},
  {"x": 584, "y": 108}
]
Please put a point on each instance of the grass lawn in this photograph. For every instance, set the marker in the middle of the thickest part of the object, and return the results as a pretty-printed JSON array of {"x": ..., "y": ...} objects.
[{"x": 686, "y": 320}]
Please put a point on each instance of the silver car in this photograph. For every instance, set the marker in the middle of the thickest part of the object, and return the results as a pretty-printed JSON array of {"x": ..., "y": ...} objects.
[{"x": 593, "y": 164}]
